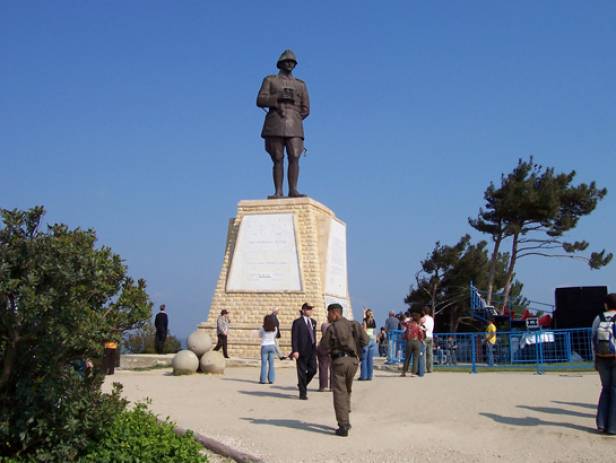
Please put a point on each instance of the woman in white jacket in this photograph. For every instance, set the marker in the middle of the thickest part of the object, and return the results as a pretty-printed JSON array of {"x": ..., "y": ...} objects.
[{"x": 268, "y": 333}]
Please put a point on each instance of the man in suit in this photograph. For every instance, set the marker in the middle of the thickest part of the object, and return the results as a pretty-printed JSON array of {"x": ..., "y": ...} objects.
[
  {"x": 303, "y": 342},
  {"x": 161, "y": 323}
]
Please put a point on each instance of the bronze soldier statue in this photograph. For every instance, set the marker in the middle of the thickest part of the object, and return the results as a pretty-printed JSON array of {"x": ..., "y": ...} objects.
[{"x": 286, "y": 99}]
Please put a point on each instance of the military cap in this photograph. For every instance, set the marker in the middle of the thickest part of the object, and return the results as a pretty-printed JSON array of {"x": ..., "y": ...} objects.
[
  {"x": 286, "y": 55},
  {"x": 334, "y": 306}
]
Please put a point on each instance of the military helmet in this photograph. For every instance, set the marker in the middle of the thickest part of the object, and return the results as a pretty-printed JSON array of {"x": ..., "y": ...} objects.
[{"x": 287, "y": 55}]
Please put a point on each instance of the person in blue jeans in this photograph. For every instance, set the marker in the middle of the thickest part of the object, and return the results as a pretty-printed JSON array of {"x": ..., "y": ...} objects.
[
  {"x": 605, "y": 363},
  {"x": 268, "y": 333},
  {"x": 368, "y": 352},
  {"x": 381, "y": 341}
]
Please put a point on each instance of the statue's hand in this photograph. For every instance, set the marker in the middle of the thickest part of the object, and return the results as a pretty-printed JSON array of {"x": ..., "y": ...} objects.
[{"x": 287, "y": 95}]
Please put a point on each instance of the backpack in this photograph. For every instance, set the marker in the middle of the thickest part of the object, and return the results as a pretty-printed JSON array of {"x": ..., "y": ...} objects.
[{"x": 605, "y": 338}]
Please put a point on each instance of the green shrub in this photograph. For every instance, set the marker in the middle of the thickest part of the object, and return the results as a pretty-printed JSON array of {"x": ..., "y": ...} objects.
[
  {"x": 61, "y": 432},
  {"x": 61, "y": 298},
  {"x": 137, "y": 436},
  {"x": 141, "y": 341}
]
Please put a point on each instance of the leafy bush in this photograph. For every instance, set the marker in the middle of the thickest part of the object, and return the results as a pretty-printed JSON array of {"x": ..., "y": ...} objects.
[
  {"x": 61, "y": 298},
  {"x": 137, "y": 436},
  {"x": 47, "y": 431}
]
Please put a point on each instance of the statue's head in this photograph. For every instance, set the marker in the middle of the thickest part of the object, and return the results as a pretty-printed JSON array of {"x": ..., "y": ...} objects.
[{"x": 287, "y": 61}]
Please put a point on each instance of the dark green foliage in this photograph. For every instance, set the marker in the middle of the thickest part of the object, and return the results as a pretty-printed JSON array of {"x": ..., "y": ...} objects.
[
  {"x": 137, "y": 436},
  {"x": 535, "y": 206},
  {"x": 141, "y": 341},
  {"x": 443, "y": 281},
  {"x": 60, "y": 299},
  {"x": 60, "y": 418}
]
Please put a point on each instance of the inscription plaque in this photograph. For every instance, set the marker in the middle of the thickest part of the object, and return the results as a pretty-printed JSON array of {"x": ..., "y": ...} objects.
[
  {"x": 265, "y": 257},
  {"x": 336, "y": 268}
]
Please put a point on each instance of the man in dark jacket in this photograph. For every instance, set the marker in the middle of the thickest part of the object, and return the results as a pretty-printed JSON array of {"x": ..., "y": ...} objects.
[
  {"x": 286, "y": 99},
  {"x": 161, "y": 323},
  {"x": 303, "y": 341}
]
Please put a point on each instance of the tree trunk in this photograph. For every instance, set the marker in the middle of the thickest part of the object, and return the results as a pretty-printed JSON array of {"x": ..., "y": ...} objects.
[
  {"x": 10, "y": 346},
  {"x": 510, "y": 269},
  {"x": 453, "y": 320},
  {"x": 8, "y": 361},
  {"x": 492, "y": 274}
]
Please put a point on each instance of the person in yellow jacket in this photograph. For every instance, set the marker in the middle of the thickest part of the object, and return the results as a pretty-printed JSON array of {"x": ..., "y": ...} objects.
[
  {"x": 490, "y": 341},
  {"x": 109, "y": 357}
]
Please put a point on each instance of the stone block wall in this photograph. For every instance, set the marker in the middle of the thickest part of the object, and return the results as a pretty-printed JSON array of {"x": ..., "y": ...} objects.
[{"x": 247, "y": 309}]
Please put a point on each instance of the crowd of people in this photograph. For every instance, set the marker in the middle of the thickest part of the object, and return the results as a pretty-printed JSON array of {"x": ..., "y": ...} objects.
[{"x": 347, "y": 346}]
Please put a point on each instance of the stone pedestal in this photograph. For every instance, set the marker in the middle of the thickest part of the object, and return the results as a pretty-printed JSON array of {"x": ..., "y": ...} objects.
[{"x": 280, "y": 253}]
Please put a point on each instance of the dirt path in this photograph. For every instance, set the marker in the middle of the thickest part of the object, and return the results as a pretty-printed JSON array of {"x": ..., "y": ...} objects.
[{"x": 455, "y": 417}]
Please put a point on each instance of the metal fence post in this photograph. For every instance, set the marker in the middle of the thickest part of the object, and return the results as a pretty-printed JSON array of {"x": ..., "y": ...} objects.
[
  {"x": 510, "y": 348},
  {"x": 473, "y": 354},
  {"x": 539, "y": 353}
]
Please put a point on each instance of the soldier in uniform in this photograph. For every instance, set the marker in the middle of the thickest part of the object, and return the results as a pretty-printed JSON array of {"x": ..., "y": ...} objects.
[
  {"x": 286, "y": 99},
  {"x": 344, "y": 340}
]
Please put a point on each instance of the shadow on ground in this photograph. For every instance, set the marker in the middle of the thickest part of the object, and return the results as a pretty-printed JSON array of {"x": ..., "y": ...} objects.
[
  {"x": 293, "y": 424},
  {"x": 531, "y": 421},
  {"x": 238, "y": 380},
  {"x": 576, "y": 404},
  {"x": 276, "y": 395},
  {"x": 557, "y": 411},
  {"x": 287, "y": 388},
  {"x": 249, "y": 381}
]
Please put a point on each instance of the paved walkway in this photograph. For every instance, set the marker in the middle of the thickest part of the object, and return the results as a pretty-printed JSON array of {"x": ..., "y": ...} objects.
[{"x": 442, "y": 417}]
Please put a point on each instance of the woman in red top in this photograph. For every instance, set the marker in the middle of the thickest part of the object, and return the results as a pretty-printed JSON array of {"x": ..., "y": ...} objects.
[{"x": 413, "y": 334}]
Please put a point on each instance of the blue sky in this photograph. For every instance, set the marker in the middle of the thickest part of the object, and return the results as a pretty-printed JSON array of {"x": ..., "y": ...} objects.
[{"x": 138, "y": 119}]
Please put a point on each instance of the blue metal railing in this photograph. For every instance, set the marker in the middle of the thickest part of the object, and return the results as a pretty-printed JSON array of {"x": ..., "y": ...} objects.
[
  {"x": 541, "y": 350},
  {"x": 479, "y": 310}
]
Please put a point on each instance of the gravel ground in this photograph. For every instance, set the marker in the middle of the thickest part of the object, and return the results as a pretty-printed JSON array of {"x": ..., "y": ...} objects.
[{"x": 458, "y": 417}]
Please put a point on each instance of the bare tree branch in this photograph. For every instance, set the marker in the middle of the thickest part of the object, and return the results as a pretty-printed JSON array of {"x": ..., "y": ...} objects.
[
  {"x": 530, "y": 248},
  {"x": 582, "y": 258}
]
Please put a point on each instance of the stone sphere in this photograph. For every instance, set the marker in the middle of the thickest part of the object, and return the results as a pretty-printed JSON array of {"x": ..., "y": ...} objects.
[
  {"x": 185, "y": 362},
  {"x": 199, "y": 342},
  {"x": 212, "y": 362}
]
